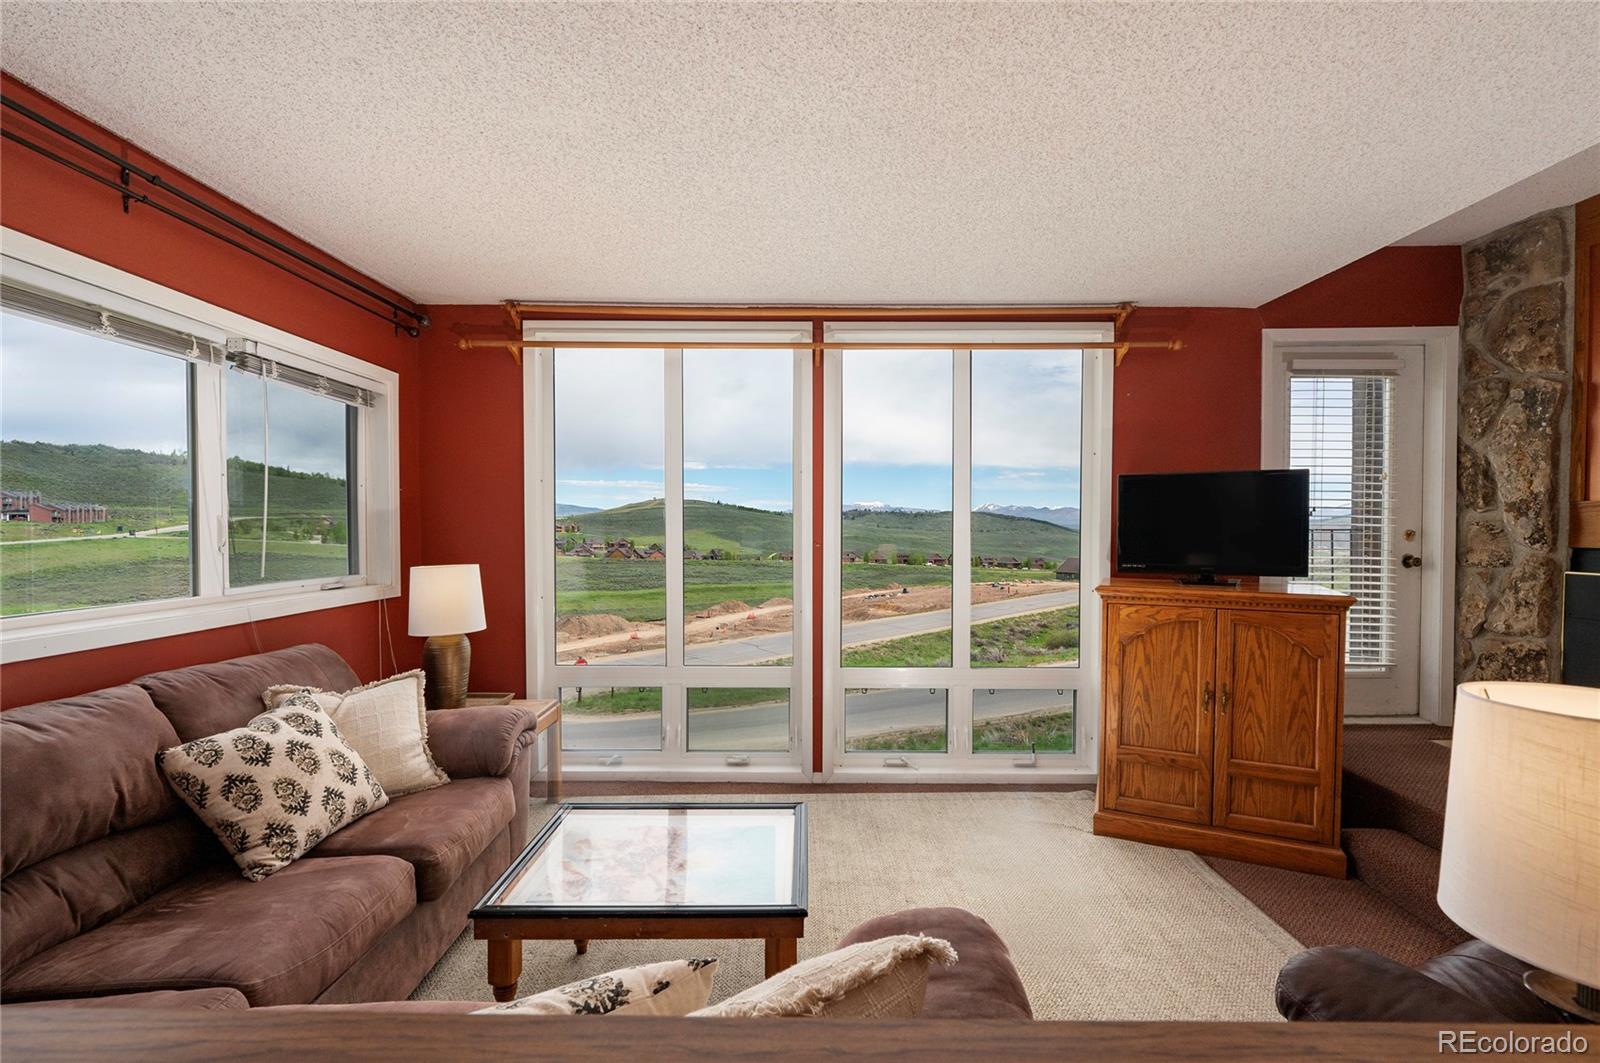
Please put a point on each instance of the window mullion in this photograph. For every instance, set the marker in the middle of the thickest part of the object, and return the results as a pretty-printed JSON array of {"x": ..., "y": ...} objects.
[
  {"x": 209, "y": 508},
  {"x": 960, "y": 698},
  {"x": 674, "y": 709}
]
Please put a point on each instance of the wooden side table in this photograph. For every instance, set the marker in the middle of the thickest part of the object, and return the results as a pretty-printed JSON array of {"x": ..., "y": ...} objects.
[{"x": 548, "y": 715}]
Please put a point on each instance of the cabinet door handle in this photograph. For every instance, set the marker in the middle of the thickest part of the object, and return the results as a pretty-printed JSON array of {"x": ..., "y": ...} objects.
[
  {"x": 1226, "y": 697},
  {"x": 1205, "y": 698}
]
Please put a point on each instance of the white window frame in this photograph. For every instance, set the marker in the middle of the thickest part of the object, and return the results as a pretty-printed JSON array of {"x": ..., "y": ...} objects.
[
  {"x": 213, "y": 605},
  {"x": 959, "y": 764},
  {"x": 673, "y": 760},
  {"x": 1441, "y": 362}
]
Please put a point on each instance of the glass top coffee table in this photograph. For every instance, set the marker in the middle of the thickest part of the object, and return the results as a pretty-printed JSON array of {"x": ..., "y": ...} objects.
[{"x": 603, "y": 870}]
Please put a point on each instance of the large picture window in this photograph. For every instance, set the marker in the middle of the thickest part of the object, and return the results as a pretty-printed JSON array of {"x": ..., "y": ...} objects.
[
  {"x": 162, "y": 460},
  {"x": 665, "y": 614},
  {"x": 968, "y": 520},
  {"x": 963, "y": 510}
]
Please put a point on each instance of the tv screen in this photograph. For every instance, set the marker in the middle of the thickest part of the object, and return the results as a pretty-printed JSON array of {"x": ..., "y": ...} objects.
[{"x": 1236, "y": 523}]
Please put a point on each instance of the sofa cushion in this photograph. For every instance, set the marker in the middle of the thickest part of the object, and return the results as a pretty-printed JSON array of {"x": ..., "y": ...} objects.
[
  {"x": 278, "y": 941},
  {"x": 72, "y": 892},
  {"x": 983, "y": 985},
  {"x": 276, "y": 787},
  {"x": 78, "y": 769},
  {"x": 439, "y": 831},
  {"x": 91, "y": 828},
  {"x": 208, "y": 698}
]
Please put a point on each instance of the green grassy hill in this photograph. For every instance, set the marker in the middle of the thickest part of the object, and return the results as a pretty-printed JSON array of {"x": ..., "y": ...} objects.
[
  {"x": 750, "y": 532},
  {"x": 90, "y": 473},
  {"x": 139, "y": 480}
]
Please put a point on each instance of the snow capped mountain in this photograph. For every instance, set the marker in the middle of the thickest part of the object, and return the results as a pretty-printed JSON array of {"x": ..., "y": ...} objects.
[{"x": 1066, "y": 516}]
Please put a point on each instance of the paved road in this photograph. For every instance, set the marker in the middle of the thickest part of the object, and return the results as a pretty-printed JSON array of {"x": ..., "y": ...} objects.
[
  {"x": 759, "y": 648},
  {"x": 108, "y": 535},
  {"x": 757, "y": 727}
]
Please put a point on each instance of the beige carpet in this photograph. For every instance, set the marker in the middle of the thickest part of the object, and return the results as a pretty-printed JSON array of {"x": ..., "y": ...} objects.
[{"x": 1099, "y": 928}]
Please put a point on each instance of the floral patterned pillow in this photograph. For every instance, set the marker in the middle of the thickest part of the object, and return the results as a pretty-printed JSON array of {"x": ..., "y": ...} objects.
[
  {"x": 274, "y": 788},
  {"x": 675, "y": 987}
]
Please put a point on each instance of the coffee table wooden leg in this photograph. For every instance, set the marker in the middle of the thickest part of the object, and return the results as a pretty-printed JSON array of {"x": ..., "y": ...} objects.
[
  {"x": 505, "y": 967},
  {"x": 781, "y": 954},
  {"x": 581, "y": 945}
]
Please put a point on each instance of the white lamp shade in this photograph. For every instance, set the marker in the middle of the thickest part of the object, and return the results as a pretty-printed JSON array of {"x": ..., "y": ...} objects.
[
  {"x": 446, "y": 600},
  {"x": 1521, "y": 861}
]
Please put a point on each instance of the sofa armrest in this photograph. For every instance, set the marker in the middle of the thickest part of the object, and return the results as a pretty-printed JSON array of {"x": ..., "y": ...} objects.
[
  {"x": 480, "y": 740},
  {"x": 1348, "y": 984}
]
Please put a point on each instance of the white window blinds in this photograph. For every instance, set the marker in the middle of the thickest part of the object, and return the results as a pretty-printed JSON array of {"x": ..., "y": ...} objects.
[
  {"x": 88, "y": 317},
  {"x": 1341, "y": 428}
]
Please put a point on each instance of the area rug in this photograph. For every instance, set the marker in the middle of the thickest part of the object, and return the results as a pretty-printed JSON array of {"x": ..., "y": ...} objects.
[{"x": 1098, "y": 927}]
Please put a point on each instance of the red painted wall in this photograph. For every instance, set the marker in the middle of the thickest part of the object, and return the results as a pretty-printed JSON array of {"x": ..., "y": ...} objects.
[
  {"x": 42, "y": 199},
  {"x": 471, "y": 433}
]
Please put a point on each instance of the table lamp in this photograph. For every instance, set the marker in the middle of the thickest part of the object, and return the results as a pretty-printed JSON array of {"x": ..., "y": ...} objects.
[
  {"x": 446, "y": 602},
  {"x": 1521, "y": 861}
]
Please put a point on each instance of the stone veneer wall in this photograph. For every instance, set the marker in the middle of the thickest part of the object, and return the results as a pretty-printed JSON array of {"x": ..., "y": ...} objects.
[{"x": 1513, "y": 445}]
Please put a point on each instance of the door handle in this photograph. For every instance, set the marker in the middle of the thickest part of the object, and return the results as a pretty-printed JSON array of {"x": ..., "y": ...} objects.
[
  {"x": 1410, "y": 561},
  {"x": 1227, "y": 696},
  {"x": 1205, "y": 699}
]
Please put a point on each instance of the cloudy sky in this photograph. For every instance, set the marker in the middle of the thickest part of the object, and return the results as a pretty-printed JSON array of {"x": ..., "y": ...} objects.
[
  {"x": 140, "y": 400},
  {"x": 738, "y": 427}
]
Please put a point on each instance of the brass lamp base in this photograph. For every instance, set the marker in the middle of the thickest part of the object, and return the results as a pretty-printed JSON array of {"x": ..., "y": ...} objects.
[
  {"x": 1579, "y": 1001},
  {"x": 446, "y": 660}
]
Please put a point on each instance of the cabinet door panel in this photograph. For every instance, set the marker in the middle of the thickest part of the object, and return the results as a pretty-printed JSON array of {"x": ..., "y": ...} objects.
[
  {"x": 1160, "y": 672},
  {"x": 1277, "y": 720}
]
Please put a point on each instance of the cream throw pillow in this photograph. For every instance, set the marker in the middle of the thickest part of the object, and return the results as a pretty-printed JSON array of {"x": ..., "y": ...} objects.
[
  {"x": 274, "y": 788},
  {"x": 387, "y": 722},
  {"x": 674, "y": 988},
  {"x": 882, "y": 979}
]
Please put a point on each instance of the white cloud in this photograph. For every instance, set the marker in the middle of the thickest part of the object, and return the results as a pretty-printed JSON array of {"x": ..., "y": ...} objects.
[{"x": 615, "y": 485}]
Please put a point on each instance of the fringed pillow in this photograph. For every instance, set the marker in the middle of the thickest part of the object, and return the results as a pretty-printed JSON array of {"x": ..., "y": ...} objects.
[{"x": 882, "y": 979}]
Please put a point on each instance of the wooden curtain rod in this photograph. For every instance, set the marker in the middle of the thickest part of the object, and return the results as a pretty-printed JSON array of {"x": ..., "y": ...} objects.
[
  {"x": 676, "y": 312},
  {"x": 516, "y": 347}
]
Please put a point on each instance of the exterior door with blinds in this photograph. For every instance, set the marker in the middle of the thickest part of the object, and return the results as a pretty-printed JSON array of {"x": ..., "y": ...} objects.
[{"x": 1355, "y": 420}]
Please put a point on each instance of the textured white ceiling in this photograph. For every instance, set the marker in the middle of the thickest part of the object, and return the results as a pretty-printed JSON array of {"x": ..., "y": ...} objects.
[
  {"x": 1202, "y": 154},
  {"x": 1567, "y": 182}
]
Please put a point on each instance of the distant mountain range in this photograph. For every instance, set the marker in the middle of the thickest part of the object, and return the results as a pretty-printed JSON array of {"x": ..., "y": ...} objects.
[
  {"x": 747, "y": 531},
  {"x": 567, "y": 509},
  {"x": 1066, "y": 516}
]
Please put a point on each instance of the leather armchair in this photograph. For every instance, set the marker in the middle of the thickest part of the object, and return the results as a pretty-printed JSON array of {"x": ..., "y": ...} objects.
[{"x": 1473, "y": 982}]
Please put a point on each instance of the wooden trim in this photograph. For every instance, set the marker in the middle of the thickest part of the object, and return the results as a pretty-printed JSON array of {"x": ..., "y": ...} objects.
[
  {"x": 1169, "y": 592},
  {"x": 404, "y": 1032},
  {"x": 1228, "y": 844},
  {"x": 616, "y": 928},
  {"x": 713, "y": 312},
  {"x": 1585, "y": 529}
]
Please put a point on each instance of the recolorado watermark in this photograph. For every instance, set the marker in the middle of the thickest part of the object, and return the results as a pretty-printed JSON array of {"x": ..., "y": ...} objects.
[{"x": 1474, "y": 1042}]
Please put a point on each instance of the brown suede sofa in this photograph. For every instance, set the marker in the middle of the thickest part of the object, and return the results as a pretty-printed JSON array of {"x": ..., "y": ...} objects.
[
  {"x": 982, "y": 984},
  {"x": 112, "y": 887}
]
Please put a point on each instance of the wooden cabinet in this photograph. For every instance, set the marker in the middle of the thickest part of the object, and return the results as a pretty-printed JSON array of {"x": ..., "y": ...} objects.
[{"x": 1221, "y": 721}]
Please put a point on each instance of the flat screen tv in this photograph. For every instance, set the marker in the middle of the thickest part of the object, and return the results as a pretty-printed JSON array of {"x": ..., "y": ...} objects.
[{"x": 1201, "y": 524}]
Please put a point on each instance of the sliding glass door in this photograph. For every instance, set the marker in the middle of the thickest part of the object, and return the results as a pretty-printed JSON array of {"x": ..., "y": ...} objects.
[{"x": 970, "y": 494}]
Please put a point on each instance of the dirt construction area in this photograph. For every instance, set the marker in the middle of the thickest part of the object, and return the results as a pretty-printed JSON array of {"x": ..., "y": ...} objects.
[{"x": 606, "y": 635}]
